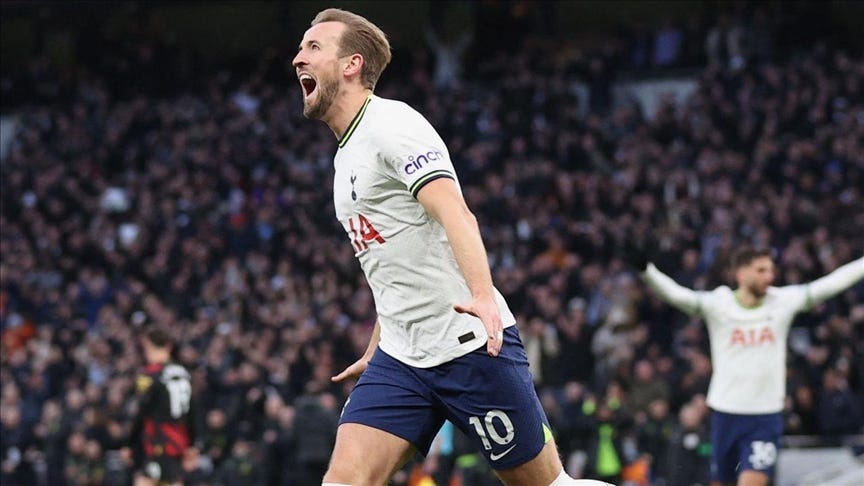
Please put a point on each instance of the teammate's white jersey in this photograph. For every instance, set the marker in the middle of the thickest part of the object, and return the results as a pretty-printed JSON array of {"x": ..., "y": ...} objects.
[
  {"x": 387, "y": 154},
  {"x": 748, "y": 345}
]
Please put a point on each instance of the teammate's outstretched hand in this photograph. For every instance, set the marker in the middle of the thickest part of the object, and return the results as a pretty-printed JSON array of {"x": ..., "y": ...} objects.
[
  {"x": 353, "y": 371},
  {"x": 486, "y": 309},
  {"x": 635, "y": 254}
]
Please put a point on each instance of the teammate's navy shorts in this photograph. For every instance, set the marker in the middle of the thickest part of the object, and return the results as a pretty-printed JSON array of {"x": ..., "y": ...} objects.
[
  {"x": 492, "y": 400},
  {"x": 744, "y": 442}
]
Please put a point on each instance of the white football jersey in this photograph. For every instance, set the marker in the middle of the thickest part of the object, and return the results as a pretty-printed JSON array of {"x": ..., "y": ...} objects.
[
  {"x": 387, "y": 154},
  {"x": 748, "y": 345}
]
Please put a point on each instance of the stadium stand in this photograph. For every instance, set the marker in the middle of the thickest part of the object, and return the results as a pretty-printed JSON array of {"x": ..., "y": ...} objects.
[{"x": 142, "y": 187}]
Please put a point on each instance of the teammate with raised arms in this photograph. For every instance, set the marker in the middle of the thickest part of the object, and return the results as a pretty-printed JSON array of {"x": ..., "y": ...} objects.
[{"x": 747, "y": 329}]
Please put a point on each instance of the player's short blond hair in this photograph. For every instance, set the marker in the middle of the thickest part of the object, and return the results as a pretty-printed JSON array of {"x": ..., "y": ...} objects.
[{"x": 362, "y": 37}]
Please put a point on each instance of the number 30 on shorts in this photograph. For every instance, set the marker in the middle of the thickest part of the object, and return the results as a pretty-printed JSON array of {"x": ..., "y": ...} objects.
[
  {"x": 486, "y": 428},
  {"x": 764, "y": 454}
]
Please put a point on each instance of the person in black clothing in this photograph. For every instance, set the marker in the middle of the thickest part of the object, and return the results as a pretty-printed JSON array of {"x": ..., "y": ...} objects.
[
  {"x": 242, "y": 468},
  {"x": 16, "y": 465},
  {"x": 316, "y": 418},
  {"x": 164, "y": 428},
  {"x": 688, "y": 449},
  {"x": 839, "y": 408}
]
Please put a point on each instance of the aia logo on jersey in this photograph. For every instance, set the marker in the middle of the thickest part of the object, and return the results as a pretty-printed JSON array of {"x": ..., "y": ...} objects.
[
  {"x": 362, "y": 233},
  {"x": 752, "y": 337},
  {"x": 417, "y": 162}
]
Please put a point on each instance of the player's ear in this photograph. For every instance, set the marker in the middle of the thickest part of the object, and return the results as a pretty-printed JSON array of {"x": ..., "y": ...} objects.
[{"x": 354, "y": 65}]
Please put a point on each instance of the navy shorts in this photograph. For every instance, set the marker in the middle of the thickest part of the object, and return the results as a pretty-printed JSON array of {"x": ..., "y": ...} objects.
[
  {"x": 492, "y": 400},
  {"x": 163, "y": 469},
  {"x": 744, "y": 442}
]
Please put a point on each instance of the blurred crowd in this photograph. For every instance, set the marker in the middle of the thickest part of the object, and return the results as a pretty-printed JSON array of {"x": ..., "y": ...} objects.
[{"x": 207, "y": 210}]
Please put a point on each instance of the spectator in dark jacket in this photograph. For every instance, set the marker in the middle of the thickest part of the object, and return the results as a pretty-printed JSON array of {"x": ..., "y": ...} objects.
[
  {"x": 689, "y": 449},
  {"x": 241, "y": 468},
  {"x": 315, "y": 421},
  {"x": 840, "y": 410},
  {"x": 16, "y": 447}
]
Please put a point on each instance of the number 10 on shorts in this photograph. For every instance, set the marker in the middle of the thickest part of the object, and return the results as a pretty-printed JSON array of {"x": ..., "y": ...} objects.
[{"x": 485, "y": 428}]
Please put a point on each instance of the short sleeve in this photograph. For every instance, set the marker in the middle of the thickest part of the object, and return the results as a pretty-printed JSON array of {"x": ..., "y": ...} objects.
[{"x": 414, "y": 152}]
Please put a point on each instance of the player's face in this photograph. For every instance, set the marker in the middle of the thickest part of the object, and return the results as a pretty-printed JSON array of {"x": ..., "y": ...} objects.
[
  {"x": 317, "y": 66},
  {"x": 757, "y": 276},
  {"x": 148, "y": 349}
]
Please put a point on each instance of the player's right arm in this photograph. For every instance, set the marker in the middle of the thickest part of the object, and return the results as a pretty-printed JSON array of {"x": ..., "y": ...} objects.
[
  {"x": 358, "y": 367},
  {"x": 670, "y": 291},
  {"x": 144, "y": 396}
]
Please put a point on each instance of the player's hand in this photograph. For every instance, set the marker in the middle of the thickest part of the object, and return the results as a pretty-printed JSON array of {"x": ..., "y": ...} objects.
[
  {"x": 635, "y": 254},
  {"x": 354, "y": 371},
  {"x": 486, "y": 309}
]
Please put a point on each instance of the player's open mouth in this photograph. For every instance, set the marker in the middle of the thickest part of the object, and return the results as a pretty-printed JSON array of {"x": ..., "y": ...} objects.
[{"x": 308, "y": 83}]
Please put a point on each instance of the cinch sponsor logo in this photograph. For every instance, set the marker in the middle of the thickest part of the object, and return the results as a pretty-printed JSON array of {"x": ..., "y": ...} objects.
[{"x": 416, "y": 163}]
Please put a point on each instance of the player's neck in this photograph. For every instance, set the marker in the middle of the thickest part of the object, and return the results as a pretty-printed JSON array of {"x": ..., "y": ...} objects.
[
  {"x": 746, "y": 298},
  {"x": 346, "y": 108},
  {"x": 160, "y": 358}
]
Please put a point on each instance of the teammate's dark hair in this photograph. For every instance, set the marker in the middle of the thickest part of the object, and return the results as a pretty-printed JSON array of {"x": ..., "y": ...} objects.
[
  {"x": 746, "y": 255},
  {"x": 159, "y": 338}
]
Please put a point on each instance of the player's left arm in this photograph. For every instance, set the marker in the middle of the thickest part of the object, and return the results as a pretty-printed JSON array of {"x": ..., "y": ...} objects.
[
  {"x": 443, "y": 201},
  {"x": 193, "y": 427},
  {"x": 358, "y": 367},
  {"x": 835, "y": 282},
  {"x": 193, "y": 419},
  {"x": 144, "y": 396}
]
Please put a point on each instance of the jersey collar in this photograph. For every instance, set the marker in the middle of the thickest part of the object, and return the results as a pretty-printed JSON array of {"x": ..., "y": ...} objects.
[{"x": 353, "y": 125}]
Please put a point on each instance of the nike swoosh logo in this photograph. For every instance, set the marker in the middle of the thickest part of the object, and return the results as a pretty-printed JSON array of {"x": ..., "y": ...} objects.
[{"x": 495, "y": 457}]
